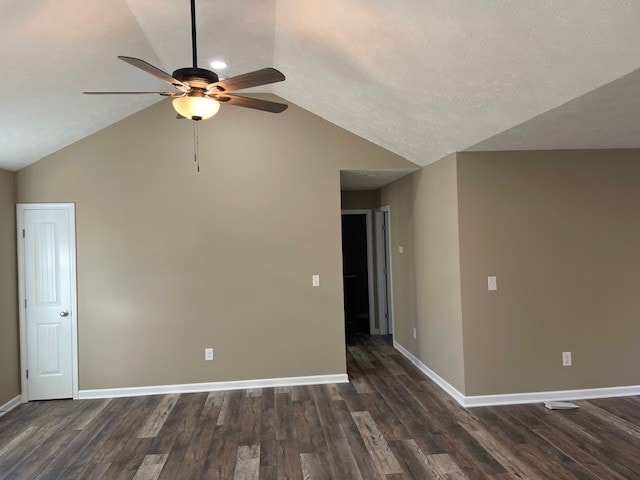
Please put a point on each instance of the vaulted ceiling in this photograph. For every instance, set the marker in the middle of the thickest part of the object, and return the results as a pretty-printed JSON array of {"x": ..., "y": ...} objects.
[{"x": 422, "y": 78}]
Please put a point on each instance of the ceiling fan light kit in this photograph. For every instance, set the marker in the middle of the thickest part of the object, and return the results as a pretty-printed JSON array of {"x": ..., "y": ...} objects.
[
  {"x": 199, "y": 92},
  {"x": 195, "y": 106}
]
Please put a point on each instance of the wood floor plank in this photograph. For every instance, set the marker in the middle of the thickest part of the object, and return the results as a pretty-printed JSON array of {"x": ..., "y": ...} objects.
[
  {"x": 221, "y": 458},
  {"x": 125, "y": 464},
  {"x": 17, "y": 441},
  {"x": 378, "y": 447},
  {"x": 570, "y": 447},
  {"x": 300, "y": 394},
  {"x": 445, "y": 467},
  {"x": 151, "y": 467},
  {"x": 214, "y": 399},
  {"x": 546, "y": 466},
  {"x": 615, "y": 421},
  {"x": 439, "y": 466},
  {"x": 360, "y": 356},
  {"x": 250, "y": 420},
  {"x": 98, "y": 409},
  {"x": 340, "y": 458},
  {"x": 155, "y": 421},
  {"x": 334, "y": 391},
  {"x": 359, "y": 379},
  {"x": 230, "y": 410},
  {"x": 268, "y": 450},
  {"x": 348, "y": 393},
  {"x": 309, "y": 435},
  {"x": 186, "y": 427},
  {"x": 253, "y": 392},
  {"x": 92, "y": 471},
  {"x": 29, "y": 444},
  {"x": 314, "y": 467},
  {"x": 503, "y": 453},
  {"x": 323, "y": 405},
  {"x": 196, "y": 454},
  {"x": 625, "y": 408},
  {"x": 247, "y": 463},
  {"x": 268, "y": 472},
  {"x": 31, "y": 465},
  {"x": 386, "y": 418},
  {"x": 285, "y": 424},
  {"x": 110, "y": 443},
  {"x": 106, "y": 429},
  {"x": 288, "y": 464},
  {"x": 413, "y": 465},
  {"x": 70, "y": 453},
  {"x": 356, "y": 443}
]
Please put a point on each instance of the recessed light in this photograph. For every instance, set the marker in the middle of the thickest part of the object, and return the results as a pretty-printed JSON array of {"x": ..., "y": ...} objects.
[{"x": 218, "y": 65}]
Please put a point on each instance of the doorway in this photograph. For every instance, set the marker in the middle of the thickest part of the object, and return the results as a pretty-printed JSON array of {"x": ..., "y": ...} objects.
[
  {"x": 357, "y": 268},
  {"x": 48, "y": 304}
]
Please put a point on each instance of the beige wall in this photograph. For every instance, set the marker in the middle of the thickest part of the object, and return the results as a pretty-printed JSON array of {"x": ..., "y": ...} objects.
[
  {"x": 171, "y": 261},
  {"x": 358, "y": 200},
  {"x": 9, "y": 339},
  {"x": 426, "y": 277},
  {"x": 561, "y": 232}
]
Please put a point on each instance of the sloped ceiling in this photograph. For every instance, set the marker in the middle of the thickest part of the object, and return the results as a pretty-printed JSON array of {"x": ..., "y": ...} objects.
[{"x": 422, "y": 78}]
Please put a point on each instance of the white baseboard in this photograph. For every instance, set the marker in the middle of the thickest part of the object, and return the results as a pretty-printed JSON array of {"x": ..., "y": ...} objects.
[
  {"x": 516, "y": 398},
  {"x": 538, "y": 397},
  {"x": 212, "y": 386},
  {"x": 10, "y": 405},
  {"x": 441, "y": 382}
]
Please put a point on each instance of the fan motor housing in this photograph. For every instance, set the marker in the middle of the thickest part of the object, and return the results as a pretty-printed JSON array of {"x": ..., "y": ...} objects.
[{"x": 196, "y": 77}]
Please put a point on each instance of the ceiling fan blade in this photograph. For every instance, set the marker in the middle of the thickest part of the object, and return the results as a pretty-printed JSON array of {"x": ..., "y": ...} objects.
[
  {"x": 164, "y": 94},
  {"x": 156, "y": 72},
  {"x": 255, "y": 103},
  {"x": 247, "y": 80}
]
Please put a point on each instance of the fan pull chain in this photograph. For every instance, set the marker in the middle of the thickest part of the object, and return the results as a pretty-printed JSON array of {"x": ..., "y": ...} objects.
[{"x": 196, "y": 146}]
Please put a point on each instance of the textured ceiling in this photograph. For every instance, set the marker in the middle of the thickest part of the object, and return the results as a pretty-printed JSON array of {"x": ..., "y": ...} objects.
[
  {"x": 607, "y": 117},
  {"x": 369, "y": 179},
  {"x": 422, "y": 78}
]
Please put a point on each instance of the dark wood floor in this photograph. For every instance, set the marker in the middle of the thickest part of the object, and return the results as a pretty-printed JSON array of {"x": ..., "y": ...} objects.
[{"x": 390, "y": 422}]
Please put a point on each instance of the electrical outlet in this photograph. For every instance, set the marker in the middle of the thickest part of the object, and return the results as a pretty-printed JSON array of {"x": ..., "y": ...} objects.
[
  {"x": 566, "y": 359},
  {"x": 415, "y": 333},
  {"x": 208, "y": 354},
  {"x": 492, "y": 283}
]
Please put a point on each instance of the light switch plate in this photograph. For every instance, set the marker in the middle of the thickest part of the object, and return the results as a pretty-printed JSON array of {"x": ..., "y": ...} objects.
[
  {"x": 208, "y": 354},
  {"x": 401, "y": 249},
  {"x": 315, "y": 280},
  {"x": 492, "y": 283}
]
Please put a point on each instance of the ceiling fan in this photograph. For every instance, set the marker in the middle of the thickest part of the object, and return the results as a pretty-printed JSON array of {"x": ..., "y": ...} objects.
[{"x": 199, "y": 92}]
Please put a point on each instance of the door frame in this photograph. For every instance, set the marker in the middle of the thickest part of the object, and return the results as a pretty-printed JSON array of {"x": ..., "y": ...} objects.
[
  {"x": 382, "y": 238},
  {"x": 21, "y": 208},
  {"x": 372, "y": 307}
]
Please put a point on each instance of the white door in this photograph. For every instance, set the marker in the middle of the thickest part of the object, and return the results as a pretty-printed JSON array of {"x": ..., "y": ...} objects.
[{"x": 48, "y": 287}]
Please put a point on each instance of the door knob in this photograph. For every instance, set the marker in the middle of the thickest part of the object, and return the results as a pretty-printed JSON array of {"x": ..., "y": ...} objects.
[{"x": 64, "y": 314}]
